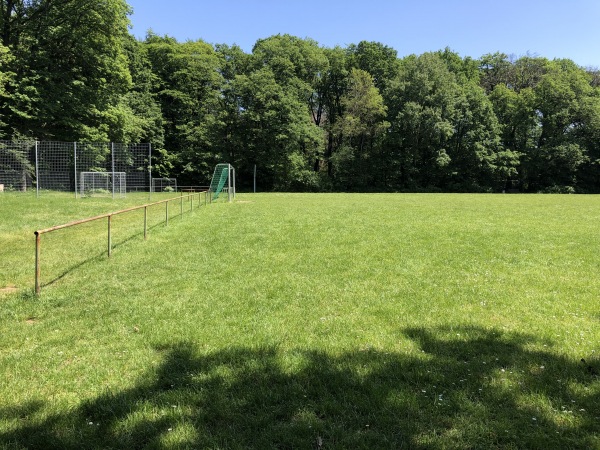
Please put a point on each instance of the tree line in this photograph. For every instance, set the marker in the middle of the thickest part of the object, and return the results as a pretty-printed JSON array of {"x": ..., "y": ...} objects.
[{"x": 309, "y": 118}]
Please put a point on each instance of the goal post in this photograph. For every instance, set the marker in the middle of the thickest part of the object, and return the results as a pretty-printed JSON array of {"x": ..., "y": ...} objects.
[
  {"x": 163, "y": 185},
  {"x": 223, "y": 179},
  {"x": 99, "y": 184}
]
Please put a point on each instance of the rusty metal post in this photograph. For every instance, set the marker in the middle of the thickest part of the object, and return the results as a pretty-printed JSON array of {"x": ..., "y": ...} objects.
[
  {"x": 109, "y": 237},
  {"x": 37, "y": 263},
  {"x": 145, "y": 222}
]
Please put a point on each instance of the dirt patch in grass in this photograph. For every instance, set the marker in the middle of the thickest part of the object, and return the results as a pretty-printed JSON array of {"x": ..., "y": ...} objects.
[{"x": 8, "y": 289}]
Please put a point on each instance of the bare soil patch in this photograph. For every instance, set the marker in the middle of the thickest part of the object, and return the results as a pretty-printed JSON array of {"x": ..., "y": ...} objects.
[{"x": 8, "y": 289}]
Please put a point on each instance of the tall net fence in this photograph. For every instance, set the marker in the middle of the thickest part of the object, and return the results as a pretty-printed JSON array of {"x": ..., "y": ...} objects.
[
  {"x": 57, "y": 166},
  {"x": 17, "y": 165}
]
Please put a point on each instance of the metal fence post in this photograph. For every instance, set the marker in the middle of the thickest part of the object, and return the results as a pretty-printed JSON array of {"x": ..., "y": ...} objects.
[
  {"x": 112, "y": 154},
  {"x": 37, "y": 172},
  {"x": 75, "y": 164},
  {"x": 149, "y": 172}
]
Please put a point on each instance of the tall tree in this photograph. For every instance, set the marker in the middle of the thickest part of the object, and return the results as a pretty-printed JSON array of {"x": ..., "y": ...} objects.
[
  {"x": 280, "y": 137},
  {"x": 189, "y": 91},
  {"x": 69, "y": 63},
  {"x": 5, "y": 78},
  {"x": 375, "y": 58},
  {"x": 363, "y": 120}
]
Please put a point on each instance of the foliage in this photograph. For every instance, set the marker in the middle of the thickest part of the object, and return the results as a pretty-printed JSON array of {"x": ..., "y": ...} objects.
[
  {"x": 307, "y": 117},
  {"x": 69, "y": 64}
]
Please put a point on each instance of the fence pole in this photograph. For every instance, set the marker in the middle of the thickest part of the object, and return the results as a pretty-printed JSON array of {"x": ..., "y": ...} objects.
[
  {"x": 145, "y": 222},
  {"x": 75, "y": 164},
  {"x": 37, "y": 173},
  {"x": 149, "y": 172},
  {"x": 112, "y": 153},
  {"x": 109, "y": 237},
  {"x": 37, "y": 263}
]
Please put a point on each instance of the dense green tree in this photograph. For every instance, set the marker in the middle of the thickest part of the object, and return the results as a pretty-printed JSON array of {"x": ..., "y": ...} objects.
[
  {"x": 280, "y": 137},
  {"x": 5, "y": 78},
  {"x": 478, "y": 161},
  {"x": 327, "y": 105},
  {"x": 362, "y": 121},
  {"x": 189, "y": 91},
  {"x": 308, "y": 117},
  {"x": 70, "y": 67},
  {"x": 464, "y": 69},
  {"x": 548, "y": 113},
  {"x": 291, "y": 59},
  {"x": 496, "y": 69},
  {"x": 375, "y": 58},
  {"x": 422, "y": 100},
  {"x": 138, "y": 116},
  {"x": 565, "y": 116}
]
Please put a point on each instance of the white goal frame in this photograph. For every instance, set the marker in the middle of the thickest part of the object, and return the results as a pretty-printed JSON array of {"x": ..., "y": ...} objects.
[
  {"x": 224, "y": 173},
  {"x": 160, "y": 184},
  {"x": 95, "y": 184}
]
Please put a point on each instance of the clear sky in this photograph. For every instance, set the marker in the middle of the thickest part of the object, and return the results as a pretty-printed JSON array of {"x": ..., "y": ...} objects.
[{"x": 548, "y": 28}]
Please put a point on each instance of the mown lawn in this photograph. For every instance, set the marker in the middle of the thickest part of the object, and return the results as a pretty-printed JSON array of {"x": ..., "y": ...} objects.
[{"x": 305, "y": 321}]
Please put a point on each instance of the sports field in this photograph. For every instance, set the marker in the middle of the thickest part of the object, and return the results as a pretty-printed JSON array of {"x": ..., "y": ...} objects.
[{"x": 304, "y": 321}]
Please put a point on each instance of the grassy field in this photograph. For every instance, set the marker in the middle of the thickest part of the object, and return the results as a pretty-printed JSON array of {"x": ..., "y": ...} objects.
[{"x": 304, "y": 321}]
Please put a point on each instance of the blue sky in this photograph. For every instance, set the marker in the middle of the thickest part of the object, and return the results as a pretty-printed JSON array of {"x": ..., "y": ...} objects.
[{"x": 549, "y": 28}]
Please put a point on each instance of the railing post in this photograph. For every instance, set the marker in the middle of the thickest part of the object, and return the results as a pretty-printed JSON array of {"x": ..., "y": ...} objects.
[
  {"x": 145, "y": 222},
  {"x": 37, "y": 263},
  {"x": 109, "y": 237}
]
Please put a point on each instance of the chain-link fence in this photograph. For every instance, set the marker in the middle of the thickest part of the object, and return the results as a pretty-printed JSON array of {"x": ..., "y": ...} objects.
[{"x": 57, "y": 165}]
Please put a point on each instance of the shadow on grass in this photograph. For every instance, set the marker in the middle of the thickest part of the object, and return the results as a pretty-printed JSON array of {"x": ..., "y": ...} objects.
[
  {"x": 463, "y": 388},
  {"x": 97, "y": 256}
]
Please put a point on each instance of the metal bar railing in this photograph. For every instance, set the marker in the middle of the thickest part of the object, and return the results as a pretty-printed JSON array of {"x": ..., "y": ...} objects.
[{"x": 108, "y": 216}]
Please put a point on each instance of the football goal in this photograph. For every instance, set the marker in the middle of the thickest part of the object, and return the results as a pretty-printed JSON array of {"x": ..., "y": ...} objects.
[
  {"x": 99, "y": 184},
  {"x": 223, "y": 180},
  {"x": 164, "y": 185}
]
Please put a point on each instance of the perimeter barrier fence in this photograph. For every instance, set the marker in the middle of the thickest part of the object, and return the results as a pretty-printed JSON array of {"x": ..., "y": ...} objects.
[
  {"x": 56, "y": 166},
  {"x": 202, "y": 197}
]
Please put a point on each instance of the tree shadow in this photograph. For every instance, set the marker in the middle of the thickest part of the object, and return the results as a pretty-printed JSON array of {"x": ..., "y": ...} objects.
[
  {"x": 462, "y": 388},
  {"x": 99, "y": 255}
]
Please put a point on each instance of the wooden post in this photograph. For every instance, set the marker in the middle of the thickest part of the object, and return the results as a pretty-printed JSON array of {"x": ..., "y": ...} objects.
[
  {"x": 37, "y": 263},
  {"x": 109, "y": 236}
]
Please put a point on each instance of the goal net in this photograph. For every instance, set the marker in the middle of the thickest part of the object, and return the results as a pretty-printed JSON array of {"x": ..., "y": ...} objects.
[
  {"x": 164, "y": 185},
  {"x": 223, "y": 180},
  {"x": 102, "y": 184}
]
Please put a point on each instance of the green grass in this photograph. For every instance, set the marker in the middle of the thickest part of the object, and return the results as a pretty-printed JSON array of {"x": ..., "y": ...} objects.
[{"x": 305, "y": 321}]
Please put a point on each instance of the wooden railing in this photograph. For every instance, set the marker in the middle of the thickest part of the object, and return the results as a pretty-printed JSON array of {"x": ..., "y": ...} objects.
[{"x": 108, "y": 216}]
